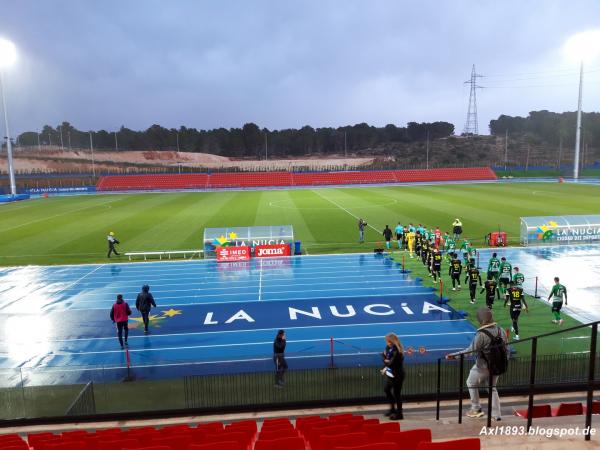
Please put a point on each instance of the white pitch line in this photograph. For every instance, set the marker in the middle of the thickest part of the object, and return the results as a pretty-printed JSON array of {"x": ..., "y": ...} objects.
[{"x": 344, "y": 209}]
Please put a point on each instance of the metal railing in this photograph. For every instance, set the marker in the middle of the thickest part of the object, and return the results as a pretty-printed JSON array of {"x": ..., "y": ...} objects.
[{"x": 533, "y": 375}]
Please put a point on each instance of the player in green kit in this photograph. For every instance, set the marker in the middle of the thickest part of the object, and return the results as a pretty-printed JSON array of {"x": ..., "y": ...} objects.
[
  {"x": 449, "y": 246},
  {"x": 556, "y": 294},
  {"x": 465, "y": 246},
  {"x": 518, "y": 277},
  {"x": 505, "y": 275},
  {"x": 494, "y": 267}
]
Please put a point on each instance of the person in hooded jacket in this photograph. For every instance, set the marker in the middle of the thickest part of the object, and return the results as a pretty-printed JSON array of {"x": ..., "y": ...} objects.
[
  {"x": 144, "y": 303},
  {"x": 279, "y": 358},
  {"x": 120, "y": 313},
  {"x": 479, "y": 374}
]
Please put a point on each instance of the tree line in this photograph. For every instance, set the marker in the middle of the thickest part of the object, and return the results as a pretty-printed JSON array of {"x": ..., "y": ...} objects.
[
  {"x": 549, "y": 127},
  {"x": 249, "y": 141}
]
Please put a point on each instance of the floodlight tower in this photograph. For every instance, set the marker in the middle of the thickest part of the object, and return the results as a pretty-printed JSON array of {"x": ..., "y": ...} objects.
[
  {"x": 472, "y": 124},
  {"x": 8, "y": 55},
  {"x": 581, "y": 47}
]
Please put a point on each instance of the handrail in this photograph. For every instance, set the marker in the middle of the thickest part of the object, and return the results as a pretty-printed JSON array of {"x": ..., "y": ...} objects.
[{"x": 591, "y": 383}]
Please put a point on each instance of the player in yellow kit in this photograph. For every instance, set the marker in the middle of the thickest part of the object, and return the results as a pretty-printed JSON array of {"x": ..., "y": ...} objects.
[{"x": 410, "y": 238}]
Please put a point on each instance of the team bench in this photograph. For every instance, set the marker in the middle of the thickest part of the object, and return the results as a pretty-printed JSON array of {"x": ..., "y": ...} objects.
[{"x": 162, "y": 253}]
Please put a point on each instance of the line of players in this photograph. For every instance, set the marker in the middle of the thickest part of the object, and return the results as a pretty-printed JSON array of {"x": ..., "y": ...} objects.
[{"x": 501, "y": 282}]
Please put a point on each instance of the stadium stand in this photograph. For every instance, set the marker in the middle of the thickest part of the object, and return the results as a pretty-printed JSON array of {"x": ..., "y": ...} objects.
[
  {"x": 345, "y": 431},
  {"x": 281, "y": 179}
]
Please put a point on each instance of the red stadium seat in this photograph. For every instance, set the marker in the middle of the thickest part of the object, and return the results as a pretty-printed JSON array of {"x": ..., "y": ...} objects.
[
  {"x": 278, "y": 433},
  {"x": 153, "y": 447},
  {"x": 35, "y": 438},
  {"x": 117, "y": 443},
  {"x": 538, "y": 411},
  {"x": 224, "y": 445},
  {"x": 328, "y": 442},
  {"x": 376, "y": 431},
  {"x": 568, "y": 409},
  {"x": 595, "y": 408},
  {"x": 375, "y": 446},
  {"x": 458, "y": 444},
  {"x": 287, "y": 443},
  {"x": 175, "y": 441},
  {"x": 68, "y": 445},
  {"x": 326, "y": 429},
  {"x": 14, "y": 446},
  {"x": 211, "y": 427},
  {"x": 408, "y": 440}
]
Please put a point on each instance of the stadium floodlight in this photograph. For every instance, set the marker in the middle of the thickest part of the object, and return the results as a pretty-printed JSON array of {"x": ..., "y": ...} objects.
[
  {"x": 8, "y": 56},
  {"x": 583, "y": 48}
]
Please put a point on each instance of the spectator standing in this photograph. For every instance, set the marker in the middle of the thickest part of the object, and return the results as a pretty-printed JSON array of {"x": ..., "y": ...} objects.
[
  {"x": 457, "y": 228},
  {"x": 393, "y": 359},
  {"x": 112, "y": 241},
  {"x": 119, "y": 314},
  {"x": 279, "y": 358},
  {"x": 489, "y": 346},
  {"x": 144, "y": 303}
]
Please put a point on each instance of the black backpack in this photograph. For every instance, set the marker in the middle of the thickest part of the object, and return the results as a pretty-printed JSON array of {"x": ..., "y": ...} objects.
[{"x": 495, "y": 355}]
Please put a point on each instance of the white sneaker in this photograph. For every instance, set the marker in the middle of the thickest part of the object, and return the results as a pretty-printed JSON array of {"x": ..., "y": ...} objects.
[
  {"x": 453, "y": 289},
  {"x": 517, "y": 337},
  {"x": 472, "y": 302},
  {"x": 459, "y": 286},
  {"x": 554, "y": 321}
]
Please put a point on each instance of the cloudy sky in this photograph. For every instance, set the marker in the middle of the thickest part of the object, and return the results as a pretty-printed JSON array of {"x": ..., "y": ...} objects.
[{"x": 206, "y": 64}]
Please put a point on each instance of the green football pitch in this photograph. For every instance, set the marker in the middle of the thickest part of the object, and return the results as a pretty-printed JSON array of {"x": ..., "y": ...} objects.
[{"x": 71, "y": 230}]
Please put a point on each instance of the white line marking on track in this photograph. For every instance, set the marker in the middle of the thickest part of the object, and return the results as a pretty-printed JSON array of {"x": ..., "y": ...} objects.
[
  {"x": 264, "y": 329},
  {"x": 244, "y": 344},
  {"x": 260, "y": 276}
]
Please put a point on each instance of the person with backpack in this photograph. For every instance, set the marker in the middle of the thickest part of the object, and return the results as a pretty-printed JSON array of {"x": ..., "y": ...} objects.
[
  {"x": 144, "y": 303},
  {"x": 490, "y": 348}
]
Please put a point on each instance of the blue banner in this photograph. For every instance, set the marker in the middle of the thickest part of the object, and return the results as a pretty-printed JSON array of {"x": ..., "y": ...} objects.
[{"x": 60, "y": 190}]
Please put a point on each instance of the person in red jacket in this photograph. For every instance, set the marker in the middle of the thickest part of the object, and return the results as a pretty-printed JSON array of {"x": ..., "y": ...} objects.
[{"x": 120, "y": 313}]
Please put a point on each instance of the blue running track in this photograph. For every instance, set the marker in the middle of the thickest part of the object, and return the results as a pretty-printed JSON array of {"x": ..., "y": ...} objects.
[{"x": 216, "y": 318}]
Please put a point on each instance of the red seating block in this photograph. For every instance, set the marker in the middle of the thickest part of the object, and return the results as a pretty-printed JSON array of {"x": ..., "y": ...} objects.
[
  {"x": 458, "y": 444},
  {"x": 568, "y": 409},
  {"x": 175, "y": 441},
  {"x": 538, "y": 411}
]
